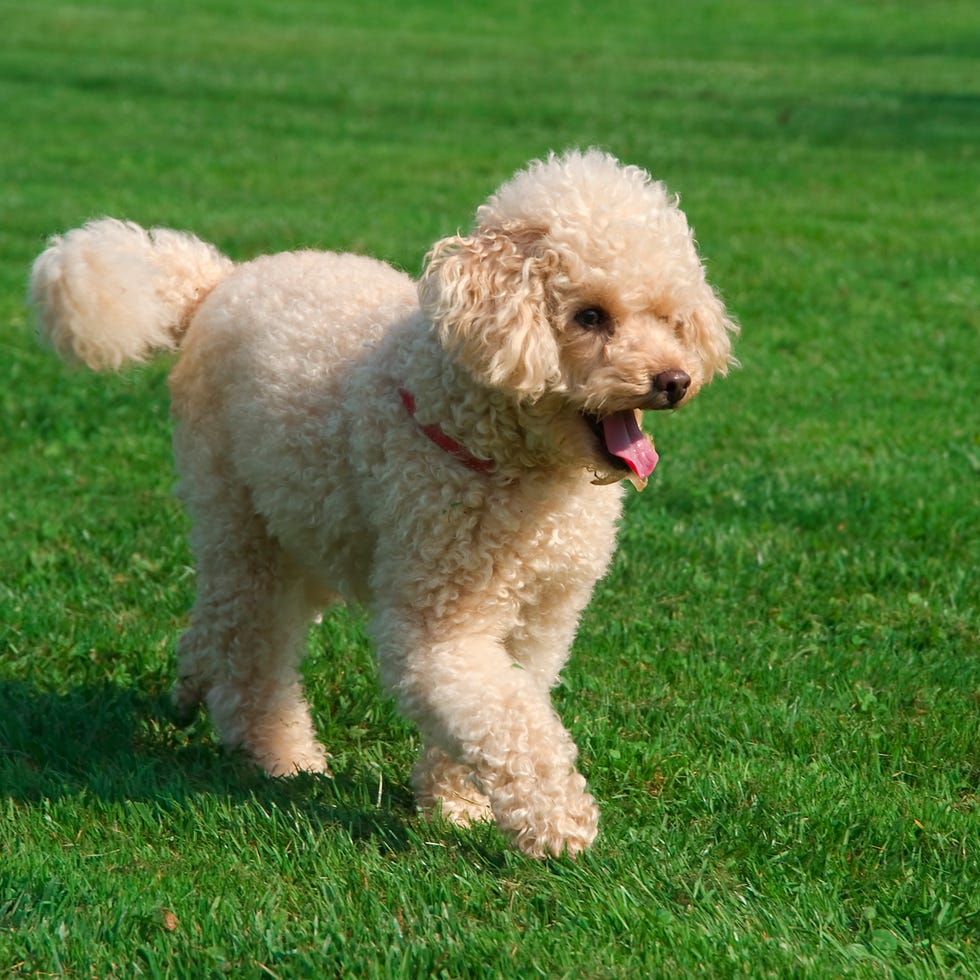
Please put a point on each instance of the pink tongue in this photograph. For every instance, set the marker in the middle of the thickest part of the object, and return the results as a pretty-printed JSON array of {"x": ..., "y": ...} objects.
[{"x": 625, "y": 440}]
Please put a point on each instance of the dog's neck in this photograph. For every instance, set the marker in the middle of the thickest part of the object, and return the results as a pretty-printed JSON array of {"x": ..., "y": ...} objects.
[
  {"x": 454, "y": 410},
  {"x": 471, "y": 422},
  {"x": 447, "y": 444}
]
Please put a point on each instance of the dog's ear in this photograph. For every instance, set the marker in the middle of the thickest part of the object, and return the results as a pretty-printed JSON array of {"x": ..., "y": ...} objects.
[
  {"x": 706, "y": 327},
  {"x": 487, "y": 297}
]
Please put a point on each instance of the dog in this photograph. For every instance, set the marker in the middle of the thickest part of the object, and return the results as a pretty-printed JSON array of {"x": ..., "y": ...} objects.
[{"x": 450, "y": 453}]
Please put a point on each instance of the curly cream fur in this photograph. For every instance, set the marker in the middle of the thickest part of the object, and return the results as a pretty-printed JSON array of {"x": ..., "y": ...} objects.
[
  {"x": 111, "y": 292},
  {"x": 307, "y": 480}
]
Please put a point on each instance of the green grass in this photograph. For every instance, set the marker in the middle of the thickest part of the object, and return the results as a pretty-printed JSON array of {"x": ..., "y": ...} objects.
[{"x": 776, "y": 690}]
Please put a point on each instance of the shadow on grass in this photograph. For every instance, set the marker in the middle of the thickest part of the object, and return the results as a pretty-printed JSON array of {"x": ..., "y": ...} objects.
[{"x": 118, "y": 746}]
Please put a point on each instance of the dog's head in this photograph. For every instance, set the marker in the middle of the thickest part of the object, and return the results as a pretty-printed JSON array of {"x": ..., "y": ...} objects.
[{"x": 580, "y": 294}]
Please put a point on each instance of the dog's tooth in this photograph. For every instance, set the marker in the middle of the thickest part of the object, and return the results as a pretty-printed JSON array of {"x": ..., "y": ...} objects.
[{"x": 639, "y": 482}]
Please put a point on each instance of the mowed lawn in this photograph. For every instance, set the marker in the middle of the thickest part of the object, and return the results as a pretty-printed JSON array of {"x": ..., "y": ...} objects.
[{"x": 776, "y": 690}]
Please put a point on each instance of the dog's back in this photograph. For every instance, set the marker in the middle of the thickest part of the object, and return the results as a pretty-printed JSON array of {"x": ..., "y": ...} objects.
[{"x": 263, "y": 393}]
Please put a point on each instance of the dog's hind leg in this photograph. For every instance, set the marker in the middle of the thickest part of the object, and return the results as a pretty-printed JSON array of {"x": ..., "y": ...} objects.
[{"x": 241, "y": 652}]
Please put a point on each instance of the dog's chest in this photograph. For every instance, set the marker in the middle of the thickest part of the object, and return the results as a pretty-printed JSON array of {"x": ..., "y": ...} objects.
[
  {"x": 565, "y": 533},
  {"x": 524, "y": 537}
]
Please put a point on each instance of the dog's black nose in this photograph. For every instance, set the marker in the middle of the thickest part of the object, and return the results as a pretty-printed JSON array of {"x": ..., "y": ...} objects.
[{"x": 671, "y": 385}]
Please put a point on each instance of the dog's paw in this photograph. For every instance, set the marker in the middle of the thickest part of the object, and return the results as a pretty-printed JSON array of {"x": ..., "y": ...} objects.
[
  {"x": 183, "y": 714},
  {"x": 564, "y": 835},
  {"x": 463, "y": 804},
  {"x": 444, "y": 788},
  {"x": 552, "y": 825},
  {"x": 463, "y": 811},
  {"x": 315, "y": 761},
  {"x": 186, "y": 702}
]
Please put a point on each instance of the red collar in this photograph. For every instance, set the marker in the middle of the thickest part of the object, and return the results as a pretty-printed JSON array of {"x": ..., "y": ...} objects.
[{"x": 444, "y": 442}]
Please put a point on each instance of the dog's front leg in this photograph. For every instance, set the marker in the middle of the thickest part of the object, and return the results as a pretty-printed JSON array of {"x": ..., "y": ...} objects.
[{"x": 484, "y": 711}]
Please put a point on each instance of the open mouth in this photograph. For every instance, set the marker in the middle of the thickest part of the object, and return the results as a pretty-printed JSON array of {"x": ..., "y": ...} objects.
[{"x": 624, "y": 444}]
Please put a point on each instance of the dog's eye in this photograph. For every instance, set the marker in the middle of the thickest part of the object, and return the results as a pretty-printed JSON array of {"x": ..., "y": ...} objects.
[{"x": 592, "y": 318}]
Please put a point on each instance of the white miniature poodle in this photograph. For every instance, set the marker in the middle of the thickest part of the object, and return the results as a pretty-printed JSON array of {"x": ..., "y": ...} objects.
[{"x": 441, "y": 451}]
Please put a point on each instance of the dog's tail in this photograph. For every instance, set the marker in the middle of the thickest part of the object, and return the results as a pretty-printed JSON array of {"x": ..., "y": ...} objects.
[{"x": 111, "y": 292}]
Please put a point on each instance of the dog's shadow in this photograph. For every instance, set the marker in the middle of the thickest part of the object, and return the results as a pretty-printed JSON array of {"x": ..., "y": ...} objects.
[{"x": 117, "y": 745}]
